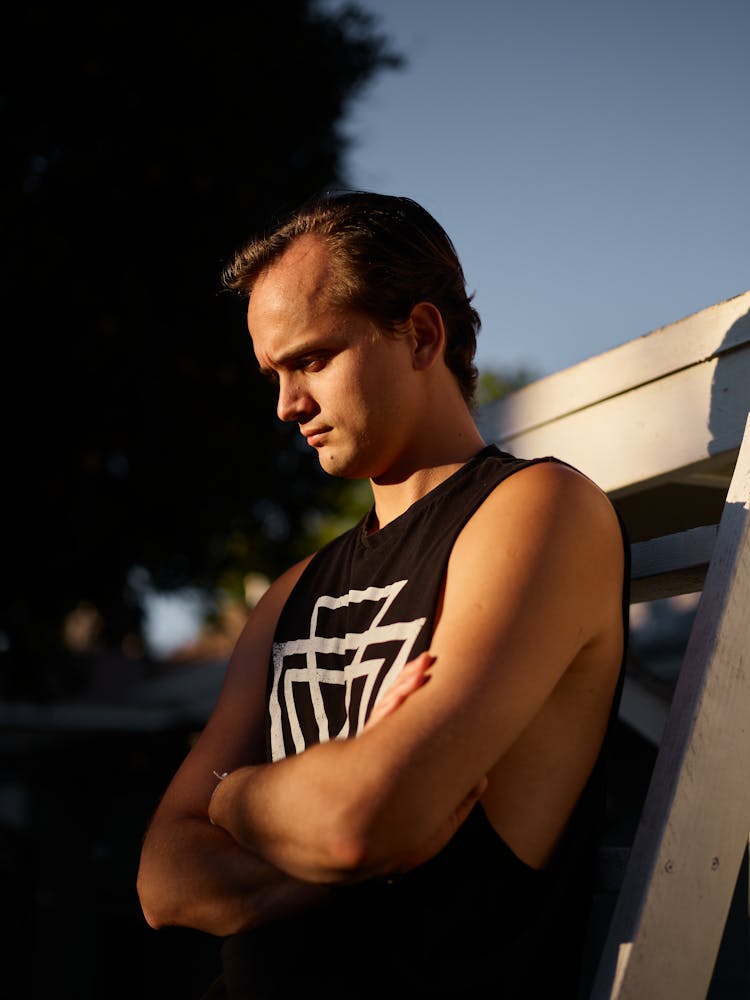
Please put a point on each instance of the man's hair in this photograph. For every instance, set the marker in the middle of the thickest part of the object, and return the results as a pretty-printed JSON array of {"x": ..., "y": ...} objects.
[{"x": 388, "y": 253}]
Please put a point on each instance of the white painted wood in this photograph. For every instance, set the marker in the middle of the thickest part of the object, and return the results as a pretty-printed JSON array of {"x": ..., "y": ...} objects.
[
  {"x": 667, "y": 410},
  {"x": 670, "y": 565},
  {"x": 671, "y": 911},
  {"x": 695, "y": 339},
  {"x": 652, "y": 433},
  {"x": 662, "y": 567}
]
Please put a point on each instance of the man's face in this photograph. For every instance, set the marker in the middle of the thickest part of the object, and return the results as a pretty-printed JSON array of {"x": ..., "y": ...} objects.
[{"x": 345, "y": 382}]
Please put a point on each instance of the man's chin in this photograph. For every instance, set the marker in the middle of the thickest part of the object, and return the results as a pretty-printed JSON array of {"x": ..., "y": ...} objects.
[{"x": 341, "y": 466}]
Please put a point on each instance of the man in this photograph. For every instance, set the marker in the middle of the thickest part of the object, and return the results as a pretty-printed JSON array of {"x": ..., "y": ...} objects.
[{"x": 399, "y": 787}]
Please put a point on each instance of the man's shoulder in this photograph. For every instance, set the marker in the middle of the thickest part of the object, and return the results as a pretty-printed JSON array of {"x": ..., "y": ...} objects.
[
  {"x": 277, "y": 594},
  {"x": 547, "y": 513},
  {"x": 549, "y": 489}
]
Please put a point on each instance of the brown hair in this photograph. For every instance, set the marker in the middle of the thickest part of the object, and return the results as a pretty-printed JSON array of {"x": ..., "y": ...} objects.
[{"x": 389, "y": 254}]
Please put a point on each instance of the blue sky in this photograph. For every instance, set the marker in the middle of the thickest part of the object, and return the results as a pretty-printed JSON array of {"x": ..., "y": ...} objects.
[{"x": 589, "y": 160}]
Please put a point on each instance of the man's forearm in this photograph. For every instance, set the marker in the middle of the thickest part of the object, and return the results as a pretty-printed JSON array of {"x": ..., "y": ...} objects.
[
  {"x": 273, "y": 812},
  {"x": 306, "y": 841},
  {"x": 340, "y": 811},
  {"x": 195, "y": 875}
]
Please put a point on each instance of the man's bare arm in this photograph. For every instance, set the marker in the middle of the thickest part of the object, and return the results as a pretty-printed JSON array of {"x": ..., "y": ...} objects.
[
  {"x": 534, "y": 582},
  {"x": 192, "y": 873}
]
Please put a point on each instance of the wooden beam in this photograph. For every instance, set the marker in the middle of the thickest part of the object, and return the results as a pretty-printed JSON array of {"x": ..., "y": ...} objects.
[
  {"x": 673, "y": 564},
  {"x": 707, "y": 334},
  {"x": 652, "y": 433},
  {"x": 670, "y": 914}
]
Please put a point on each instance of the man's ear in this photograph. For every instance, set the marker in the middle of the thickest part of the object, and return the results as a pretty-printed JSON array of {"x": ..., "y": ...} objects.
[{"x": 428, "y": 331}]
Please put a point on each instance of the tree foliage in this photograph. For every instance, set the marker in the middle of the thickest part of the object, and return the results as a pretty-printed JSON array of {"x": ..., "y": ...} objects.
[
  {"x": 494, "y": 383},
  {"x": 143, "y": 145}
]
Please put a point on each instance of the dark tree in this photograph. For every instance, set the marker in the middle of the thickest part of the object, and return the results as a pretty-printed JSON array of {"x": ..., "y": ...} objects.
[{"x": 143, "y": 145}]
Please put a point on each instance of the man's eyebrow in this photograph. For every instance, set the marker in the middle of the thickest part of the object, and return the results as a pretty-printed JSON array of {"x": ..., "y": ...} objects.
[{"x": 294, "y": 353}]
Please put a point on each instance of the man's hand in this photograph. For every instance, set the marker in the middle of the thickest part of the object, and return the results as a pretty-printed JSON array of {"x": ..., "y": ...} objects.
[{"x": 411, "y": 678}]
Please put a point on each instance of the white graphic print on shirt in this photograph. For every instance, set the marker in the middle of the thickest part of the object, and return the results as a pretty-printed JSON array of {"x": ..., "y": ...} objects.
[{"x": 335, "y": 671}]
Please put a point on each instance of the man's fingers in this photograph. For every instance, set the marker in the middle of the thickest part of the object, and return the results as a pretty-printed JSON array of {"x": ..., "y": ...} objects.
[
  {"x": 412, "y": 677},
  {"x": 391, "y": 701},
  {"x": 420, "y": 663}
]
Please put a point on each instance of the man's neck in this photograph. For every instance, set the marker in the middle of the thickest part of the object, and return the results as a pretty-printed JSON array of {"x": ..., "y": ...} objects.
[{"x": 396, "y": 493}]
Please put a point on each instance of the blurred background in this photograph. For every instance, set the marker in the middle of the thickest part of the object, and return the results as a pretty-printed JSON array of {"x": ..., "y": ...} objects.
[{"x": 590, "y": 163}]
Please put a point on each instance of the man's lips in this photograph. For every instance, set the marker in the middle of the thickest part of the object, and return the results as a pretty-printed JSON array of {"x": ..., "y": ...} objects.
[{"x": 314, "y": 435}]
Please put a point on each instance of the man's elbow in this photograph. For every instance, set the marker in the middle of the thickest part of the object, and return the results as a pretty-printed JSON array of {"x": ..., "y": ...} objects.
[
  {"x": 152, "y": 901},
  {"x": 357, "y": 849},
  {"x": 162, "y": 908},
  {"x": 160, "y": 892},
  {"x": 152, "y": 919},
  {"x": 346, "y": 857}
]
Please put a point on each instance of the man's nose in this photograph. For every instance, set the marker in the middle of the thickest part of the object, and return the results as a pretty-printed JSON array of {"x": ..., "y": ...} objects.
[{"x": 294, "y": 401}]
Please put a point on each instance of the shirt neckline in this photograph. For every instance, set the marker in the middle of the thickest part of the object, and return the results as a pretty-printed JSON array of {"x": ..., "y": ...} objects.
[{"x": 382, "y": 534}]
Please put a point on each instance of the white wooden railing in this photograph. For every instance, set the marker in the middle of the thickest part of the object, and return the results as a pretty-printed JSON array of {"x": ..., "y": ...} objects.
[{"x": 661, "y": 423}]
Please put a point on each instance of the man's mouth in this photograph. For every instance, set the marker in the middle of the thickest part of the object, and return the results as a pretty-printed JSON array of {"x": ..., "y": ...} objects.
[{"x": 314, "y": 436}]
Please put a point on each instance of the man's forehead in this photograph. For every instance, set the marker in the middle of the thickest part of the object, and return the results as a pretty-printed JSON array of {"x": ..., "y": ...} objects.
[
  {"x": 291, "y": 296},
  {"x": 304, "y": 267}
]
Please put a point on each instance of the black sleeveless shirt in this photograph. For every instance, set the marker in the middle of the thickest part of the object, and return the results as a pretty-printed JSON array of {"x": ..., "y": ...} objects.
[{"x": 474, "y": 919}]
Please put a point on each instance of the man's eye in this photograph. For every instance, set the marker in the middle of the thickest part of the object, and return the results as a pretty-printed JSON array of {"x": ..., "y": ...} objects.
[{"x": 314, "y": 363}]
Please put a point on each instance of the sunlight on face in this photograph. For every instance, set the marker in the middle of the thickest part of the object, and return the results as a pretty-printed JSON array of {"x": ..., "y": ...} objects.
[{"x": 340, "y": 378}]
